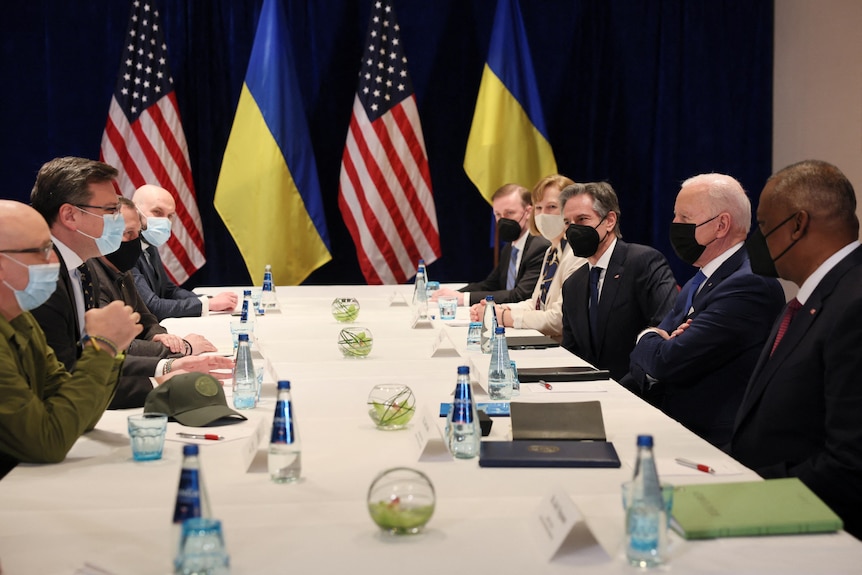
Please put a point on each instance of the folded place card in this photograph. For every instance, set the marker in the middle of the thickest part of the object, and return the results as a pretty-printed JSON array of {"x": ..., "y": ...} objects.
[
  {"x": 443, "y": 346},
  {"x": 548, "y": 454},
  {"x": 570, "y": 420},
  {"x": 560, "y": 530}
]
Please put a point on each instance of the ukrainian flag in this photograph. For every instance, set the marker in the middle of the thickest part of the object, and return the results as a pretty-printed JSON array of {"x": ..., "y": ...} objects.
[
  {"x": 268, "y": 193},
  {"x": 508, "y": 140}
]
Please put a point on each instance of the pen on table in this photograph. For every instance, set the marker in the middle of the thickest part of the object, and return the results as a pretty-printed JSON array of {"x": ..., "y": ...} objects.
[
  {"x": 211, "y": 436},
  {"x": 693, "y": 465},
  {"x": 546, "y": 385}
]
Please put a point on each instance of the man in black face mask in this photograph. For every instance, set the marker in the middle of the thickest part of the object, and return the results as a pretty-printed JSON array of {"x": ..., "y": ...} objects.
[
  {"x": 800, "y": 415},
  {"x": 154, "y": 347},
  {"x": 695, "y": 365},
  {"x": 520, "y": 262},
  {"x": 625, "y": 288}
]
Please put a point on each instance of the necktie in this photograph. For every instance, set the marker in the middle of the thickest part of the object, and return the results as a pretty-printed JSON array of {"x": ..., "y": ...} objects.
[
  {"x": 790, "y": 311},
  {"x": 595, "y": 274},
  {"x": 692, "y": 291},
  {"x": 513, "y": 269},
  {"x": 87, "y": 287},
  {"x": 551, "y": 263}
]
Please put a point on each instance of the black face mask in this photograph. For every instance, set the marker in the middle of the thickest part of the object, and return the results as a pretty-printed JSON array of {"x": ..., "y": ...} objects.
[
  {"x": 126, "y": 255},
  {"x": 761, "y": 260},
  {"x": 508, "y": 230},
  {"x": 684, "y": 243},
  {"x": 584, "y": 239}
]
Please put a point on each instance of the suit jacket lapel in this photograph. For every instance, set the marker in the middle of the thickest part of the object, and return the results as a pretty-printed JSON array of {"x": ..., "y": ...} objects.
[
  {"x": 67, "y": 284},
  {"x": 610, "y": 288},
  {"x": 730, "y": 266}
]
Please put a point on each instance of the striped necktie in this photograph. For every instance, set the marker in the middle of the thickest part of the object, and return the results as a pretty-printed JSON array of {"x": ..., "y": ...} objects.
[
  {"x": 87, "y": 287},
  {"x": 552, "y": 261},
  {"x": 790, "y": 311}
]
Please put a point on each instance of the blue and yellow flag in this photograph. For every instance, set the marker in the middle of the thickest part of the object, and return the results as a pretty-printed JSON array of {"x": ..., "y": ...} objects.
[
  {"x": 508, "y": 140},
  {"x": 268, "y": 193}
]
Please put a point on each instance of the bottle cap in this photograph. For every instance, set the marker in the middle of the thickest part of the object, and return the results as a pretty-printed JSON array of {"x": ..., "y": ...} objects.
[
  {"x": 463, "y": 370},
  {"x": 190, "y": 449},
  {"x": 246, "y": 292},
  {"x": 283, "y": 384},
  {"x": 644, "y": 440},
  {"x": 243, "y": 337},
  {"x": 489, "y": 298},
  {"x": 475, "y": 324},
  {"x": 500, "y": 330}
]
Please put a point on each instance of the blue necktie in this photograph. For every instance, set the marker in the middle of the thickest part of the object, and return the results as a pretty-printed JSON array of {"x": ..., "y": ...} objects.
[
  {"x": 551, "y": 263},
  {"x": 513, "y": 269},
  {"x": 595, "y": 274},
  {"x": 692, "y": 290}
]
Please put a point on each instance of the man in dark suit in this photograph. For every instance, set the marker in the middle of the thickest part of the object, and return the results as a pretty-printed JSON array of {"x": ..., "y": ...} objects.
[
  {"x": 624, "y": 289},
  {"x": 695, "y": 365},
  {"x": 76, "y": 197},
  {"x": 801, "y": 415},
  {"x": 162, "y": 296},
  {"x": 520, "y": 261}
]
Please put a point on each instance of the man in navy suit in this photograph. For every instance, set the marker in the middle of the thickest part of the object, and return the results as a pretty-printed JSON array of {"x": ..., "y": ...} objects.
[
  {"x": 162, "y": 296},
  {"x": 625, "y": 287},
  {"x": 695, "y": 365},
  {"x": 801, "y": 415},
  {"x": 516, "y": 274}
]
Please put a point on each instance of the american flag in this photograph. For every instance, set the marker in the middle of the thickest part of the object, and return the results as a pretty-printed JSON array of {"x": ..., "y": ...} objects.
[
  {"x": 144, "y": 137},
  {"x": 385, "y": 186}
]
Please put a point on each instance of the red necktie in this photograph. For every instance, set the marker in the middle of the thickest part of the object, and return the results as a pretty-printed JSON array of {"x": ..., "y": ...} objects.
[{"x": 790, "y": 311}]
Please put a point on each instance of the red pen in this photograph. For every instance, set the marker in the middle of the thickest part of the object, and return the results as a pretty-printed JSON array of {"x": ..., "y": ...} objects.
[
  {"x": 546, "y": 385},
  {"x": 693, "y": 465},
  {"x": 211, "y": 436}
]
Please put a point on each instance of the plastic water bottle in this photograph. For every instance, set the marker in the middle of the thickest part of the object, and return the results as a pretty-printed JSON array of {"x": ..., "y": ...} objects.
[
  {"x": 500, "y": 371},
  {"x": 247, "y": 314},
  {"x": 646, "y": 521},
  {"x": 489, "y": 324},
  {"x": 192, "y": 498},
  {"x": 244, "y": 376},
  {"x": 516, "y": 382},
  {"x": 420, "y": 295},
  {"x": 285, "y": 459},
  {"x": 268, "y": 299},
  {"x": 463, "y": 433}
]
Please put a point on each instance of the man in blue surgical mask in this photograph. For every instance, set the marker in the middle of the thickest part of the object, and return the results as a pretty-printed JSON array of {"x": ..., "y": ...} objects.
[
  {"x": 162, "y": 296},
  {"x": 43, "y": 407}
]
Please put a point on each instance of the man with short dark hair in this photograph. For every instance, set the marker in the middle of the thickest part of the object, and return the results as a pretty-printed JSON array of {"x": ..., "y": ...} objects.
[
  {"x": 521, "y": 259},
  {"x": 800, "y": 415},
  {"x": 623, "y": 289}
]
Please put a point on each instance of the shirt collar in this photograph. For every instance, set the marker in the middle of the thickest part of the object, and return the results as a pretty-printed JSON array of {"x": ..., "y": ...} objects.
[
  {"x": 810, "y": 284},
  {"x": 521, "y": 242},
  {"x": 716, "y": 263},
  {"x": 70, "y": 258},
  {"x": 606, "y": 257}
]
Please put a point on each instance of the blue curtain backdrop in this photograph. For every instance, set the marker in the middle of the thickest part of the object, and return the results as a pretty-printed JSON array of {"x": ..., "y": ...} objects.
[{"x": 643, "y": 94}]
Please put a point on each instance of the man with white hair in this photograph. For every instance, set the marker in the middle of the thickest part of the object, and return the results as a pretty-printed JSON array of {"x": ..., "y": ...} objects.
[
  {"x": 162, "y": 296},
  {"x": 695, "y": 365}
]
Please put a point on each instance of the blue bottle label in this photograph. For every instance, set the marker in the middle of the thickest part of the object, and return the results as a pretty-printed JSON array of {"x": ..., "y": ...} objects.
[
  {"x": 244, "y": 314},
  {"x": 188, "y": 496},
  {"x": 282, "y": 424}
]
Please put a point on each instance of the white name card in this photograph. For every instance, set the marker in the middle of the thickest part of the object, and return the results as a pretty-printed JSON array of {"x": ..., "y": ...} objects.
[
  {"x": 443, "y": 346},
  {"x": 396, "y": 298},
  {"x": 430, "y": 443},
  {"x": 253, "y": 442},
  {"x": 560, "y": 529}
]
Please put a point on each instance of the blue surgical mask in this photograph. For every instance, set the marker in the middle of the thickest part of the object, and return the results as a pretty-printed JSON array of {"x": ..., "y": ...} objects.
[
  {"x": 112, "y": 234},
  {"x": 42, "y": 283},
  {"x": 158, "y": 231}
]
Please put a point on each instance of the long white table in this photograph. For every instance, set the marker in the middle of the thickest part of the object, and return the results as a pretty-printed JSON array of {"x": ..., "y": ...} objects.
[{"x": 100, "y": 509}]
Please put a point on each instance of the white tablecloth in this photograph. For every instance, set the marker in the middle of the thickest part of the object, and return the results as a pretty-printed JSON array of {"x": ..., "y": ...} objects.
[{"x": 99, "y": 508}]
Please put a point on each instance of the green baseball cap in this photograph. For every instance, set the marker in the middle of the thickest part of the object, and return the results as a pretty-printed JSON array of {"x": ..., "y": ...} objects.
[{"x": 194, "y": 399}]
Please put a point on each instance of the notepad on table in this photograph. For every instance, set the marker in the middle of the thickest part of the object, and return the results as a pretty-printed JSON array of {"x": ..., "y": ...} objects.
[
  {"x": 571, "y": 420},
  {"x": 548, "y": 454},
  {"x": 769, "y": 507}
]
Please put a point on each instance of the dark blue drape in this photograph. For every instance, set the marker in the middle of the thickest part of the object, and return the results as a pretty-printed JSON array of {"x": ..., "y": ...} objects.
[{"x": 643, "y": 94}]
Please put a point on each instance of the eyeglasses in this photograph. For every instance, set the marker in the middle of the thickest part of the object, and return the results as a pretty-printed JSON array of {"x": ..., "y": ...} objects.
[
  {"x": 112, "y": 210},
  {"x": 44, "y": 250}
]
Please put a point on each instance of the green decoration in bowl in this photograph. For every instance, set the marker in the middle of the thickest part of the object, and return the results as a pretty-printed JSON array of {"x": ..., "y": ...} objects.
[
  {"x": 391, "y": 405},
  {"x": 355, "y": 341},
  {"x": 401, "y": 501},
  {"x": 345, "y": 309}
]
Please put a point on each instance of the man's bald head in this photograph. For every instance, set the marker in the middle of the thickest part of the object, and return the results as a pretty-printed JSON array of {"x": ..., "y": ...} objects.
[
  {"x": 155, "y": 201},
  {"x": 21, "y": 226}
]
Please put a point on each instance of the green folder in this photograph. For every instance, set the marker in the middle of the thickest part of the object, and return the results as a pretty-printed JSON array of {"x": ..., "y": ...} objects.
[{"x": 770, "y": 507}]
